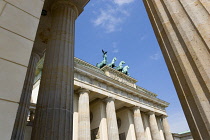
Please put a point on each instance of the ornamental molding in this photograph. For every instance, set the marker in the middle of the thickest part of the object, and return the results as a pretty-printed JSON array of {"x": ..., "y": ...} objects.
[
  {"x": 100, "y": 78},
  {"x": 119, "y": 76},
  {"x": 99, "y": 82},
  {"x": 124, "y": 96},
  {"x": 115, "y": 75}
]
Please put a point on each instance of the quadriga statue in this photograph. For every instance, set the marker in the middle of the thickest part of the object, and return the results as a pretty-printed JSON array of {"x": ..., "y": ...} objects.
[
  {"x": 104, "y": 61},
  {"x": 112, "y": 64},
  {"x": 125, "y": 70},
  {"x": 120, "y": 67}
]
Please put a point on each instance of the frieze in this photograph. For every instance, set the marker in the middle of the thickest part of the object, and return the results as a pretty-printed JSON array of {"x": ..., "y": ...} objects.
[
  {"x": 119, "y": 76},
  {"x": 83, "y": 63},
  {"x": 112, "y": 73},
  {"x": 145, "y": 91},
  {"x": 118, "y": 91}
]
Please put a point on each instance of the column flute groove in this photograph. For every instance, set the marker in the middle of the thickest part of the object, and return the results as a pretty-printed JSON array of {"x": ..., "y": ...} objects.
[
  {"x": 84, "y": 115},
  {"x": 154, "y": 127},
  {"x": 206, "y": 5},
  {"x": 186, "y": 51},
  {"x": 24, "y": 104},
  {"x": 54, "y": 112},
  {"x": 113, "y": 133},
  {"x": 199, "y": 58},
  {"x": 166, "y": 128},
  {"x": 138, "y": 124},
  {"x": 197, "y": 12}
]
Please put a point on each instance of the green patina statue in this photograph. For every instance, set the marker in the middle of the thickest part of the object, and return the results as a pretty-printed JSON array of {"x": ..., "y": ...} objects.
[
  {"x": 125, "y": 70},
  {"x": 120, "y": 67},
  {"x": 112, "y": 64},
  {"x": 104, "y": 62}
]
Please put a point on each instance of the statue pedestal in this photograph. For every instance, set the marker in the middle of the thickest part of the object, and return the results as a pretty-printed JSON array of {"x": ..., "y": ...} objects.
[{"x": 119, "y": 76}]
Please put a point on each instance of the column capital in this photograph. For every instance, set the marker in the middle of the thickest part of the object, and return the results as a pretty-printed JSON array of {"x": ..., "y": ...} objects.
[
  {"x": 69, "y": 3},
  {"x": 151, "y": 112},
  {"x": 108, "y": 99},
  {"x": 83, "y": 90},
  {"x": 164, "y": 116},
  {"x": 78, "y": 6},
  {"x": 34, "y": 54},
  {"x": 136, "y": 107}
]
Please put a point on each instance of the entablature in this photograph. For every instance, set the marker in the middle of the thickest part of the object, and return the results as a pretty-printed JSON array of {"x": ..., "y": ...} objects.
[{"x": 93, "y": 77}]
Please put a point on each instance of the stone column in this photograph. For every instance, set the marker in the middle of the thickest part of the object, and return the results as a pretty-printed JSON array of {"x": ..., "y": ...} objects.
[
  {"x": 23, "y": 109},
  {"x": 84, "y": 115},
  {"x": 153, "y": 126},
  {"x": 160, "y": 126},
  {"x": 75, "y": 118},
  {"x": 166, "y": 128},
  {"x": 182, "y": 28},
  {"x": 145, "y": 118},
  {"x": 113, "y": 133},
  {"x": 138, "y": 124},
  {"x": 131, "y": 128},
  {"x": 103, "y": 123},
  {"x": 54, "y": 110}
]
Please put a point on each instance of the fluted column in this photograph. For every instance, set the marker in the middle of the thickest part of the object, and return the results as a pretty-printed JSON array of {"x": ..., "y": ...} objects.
[
  {"x": 160, "y": 126},
  {"x": 166, "y": 128},
  {"x": 103, "y": 123},
  {"x": 147, "y": 132},
  {"x": 54, "y": 112},
  {"x": 84, "y": 115},
  {"x": 23, "y": 109},
  {"x": 138, "y": 124},
  {"x": 75, "y": 118},
  {"x": 153, "y": 126},
  {"x": 131, "y": 128},
  {"x": 113, "y": 133},
  {"x": 182, "y": 28}
]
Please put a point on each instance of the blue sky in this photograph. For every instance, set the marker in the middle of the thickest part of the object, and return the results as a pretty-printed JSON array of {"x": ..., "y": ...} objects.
[{"x": 122, "y": 28}]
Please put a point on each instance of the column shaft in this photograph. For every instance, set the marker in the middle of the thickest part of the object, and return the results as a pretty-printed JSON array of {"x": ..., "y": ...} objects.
[
  {"x": 103, "y": 123},
  {"x": 113, "y": 133},
  {"x": 23, "y": 109},
  {"x": 54, "y": 110},
  {"x": 84, "y": 115},
  {"x": 160, "y": 126},
  {"x": 75, "y": 118},
  {"x": 131, "y": 129},
  {"x": 154, "y": 127},
  {"x": 166, "y": 128},
  {"x": 147, "y": 132},
  {"x": 182, "y": 29},
  {"x": 138, "y": 123}
]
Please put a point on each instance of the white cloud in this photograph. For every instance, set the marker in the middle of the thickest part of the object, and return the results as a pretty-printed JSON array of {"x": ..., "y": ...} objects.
[
  {"x": 122, "y": 2},
  {"x": 143, "y": 37},
  {"x": 115, "y": 51},
  {"x": 108, "y": 19},
  {"x": 115, "y": 47},
  {"x": 155, "y": 56},
  {"x": 112, "y": 16}
]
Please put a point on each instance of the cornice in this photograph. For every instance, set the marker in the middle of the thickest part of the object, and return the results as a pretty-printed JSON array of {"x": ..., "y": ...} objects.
[
  {"x": 102, "y": 71},
  {"x": 120, "y": 74},
  {"x": 105, "y": 79},
  {"x": 96, "y": 73}
]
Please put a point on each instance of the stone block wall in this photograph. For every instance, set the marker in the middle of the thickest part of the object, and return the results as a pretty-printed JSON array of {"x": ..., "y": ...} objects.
[{"x": 19, "y": 20}]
